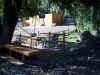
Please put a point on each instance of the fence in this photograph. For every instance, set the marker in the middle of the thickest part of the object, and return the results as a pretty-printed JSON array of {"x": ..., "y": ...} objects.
[{"x": 43, "y": 40}]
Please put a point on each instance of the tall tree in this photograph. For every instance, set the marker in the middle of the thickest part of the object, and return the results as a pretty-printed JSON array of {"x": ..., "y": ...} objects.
[{"x": 12, "y": 9}]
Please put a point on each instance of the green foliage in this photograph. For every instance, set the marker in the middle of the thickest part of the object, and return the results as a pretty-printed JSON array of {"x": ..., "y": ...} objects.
[
  {"x": 22, "y": 7},
  {"x": 60, "y": 5},
  {"x": 96, "y": 17},
  {"x": 1, "y": 8},
  {"x": 31, "y": 7},
  {"x": 85, "y": 13},
  {"x": 82, "y": 16}
]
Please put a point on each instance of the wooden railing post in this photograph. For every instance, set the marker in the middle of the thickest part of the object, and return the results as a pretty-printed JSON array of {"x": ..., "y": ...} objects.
[
  {"x": 37, "y": 42},
  {"x": 64, "y": 40},
  {"x": 31, "y": 42},
  {"x": 49, "y": 38},
  {"x": 20, "y": 39}
]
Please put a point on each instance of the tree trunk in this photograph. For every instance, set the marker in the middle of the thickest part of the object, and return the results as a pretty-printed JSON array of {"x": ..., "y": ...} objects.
[{"x": 10, "y": 20}]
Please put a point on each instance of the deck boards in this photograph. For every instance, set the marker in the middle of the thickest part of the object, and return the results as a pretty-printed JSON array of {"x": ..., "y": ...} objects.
[
  {"x": 20, "y": 50},
  {"x": 42, "y": 54}
]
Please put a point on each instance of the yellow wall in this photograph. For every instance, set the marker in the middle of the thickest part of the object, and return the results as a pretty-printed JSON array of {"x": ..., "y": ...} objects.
[
  {"x": 48, "y": 19},
  {"x": 35, "y": 20},
  {"x": 32, "y": 21}
]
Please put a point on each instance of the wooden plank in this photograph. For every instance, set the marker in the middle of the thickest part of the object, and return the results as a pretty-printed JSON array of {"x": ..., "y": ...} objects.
[
  {"x": 20, "y": 50},
  {"x": 42, "y": 54}
]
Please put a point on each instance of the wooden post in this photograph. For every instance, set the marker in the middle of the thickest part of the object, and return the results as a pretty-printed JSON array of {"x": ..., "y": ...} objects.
[
  {"x": 10, "y": 53},
  {"x": 38, "y": 40},
  {"x": 63, "y": 39},
  {"x": 49, "y": 38},
  {"x": 20, "y": 39},
  {"x": 31, "y": 39},
  {"x": 31, "y": 42},
  {"x": 23, "y": 58},
  {"x": 38, "y": 33}
]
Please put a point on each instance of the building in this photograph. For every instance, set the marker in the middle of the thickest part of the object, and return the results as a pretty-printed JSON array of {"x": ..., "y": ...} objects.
[
  {"x": 54, "y": 19},
  {"x": 27, "y": 21},
  {"x": 48, "y": 20}
]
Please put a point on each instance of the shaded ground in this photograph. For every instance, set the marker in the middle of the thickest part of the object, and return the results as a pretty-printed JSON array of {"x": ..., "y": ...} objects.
[
  {"x": 62, "y": 62},
  {"x": 7, "y": 68}
]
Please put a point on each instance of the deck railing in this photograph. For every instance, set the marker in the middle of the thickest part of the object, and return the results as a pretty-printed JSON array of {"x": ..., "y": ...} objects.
[{"x": 42, "y": 40}]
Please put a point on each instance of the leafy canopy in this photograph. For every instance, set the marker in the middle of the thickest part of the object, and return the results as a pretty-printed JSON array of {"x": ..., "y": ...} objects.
[
  {"x": 22, "y": 7},
  {"x": 31, "y": 7},
  {"x": 1, "y": 7},
  {"x": 84, "y": 12}
]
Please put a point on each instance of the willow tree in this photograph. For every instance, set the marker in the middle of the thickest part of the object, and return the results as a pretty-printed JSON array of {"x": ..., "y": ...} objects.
[
  {"x": 10, "y": 10},
  {"x": 82, "y": 11}
]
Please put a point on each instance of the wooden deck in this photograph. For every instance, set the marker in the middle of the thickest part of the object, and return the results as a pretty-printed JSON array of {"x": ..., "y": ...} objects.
[
  {"x": 20, "y": 50},
  {"x": 42, "y": 54}
]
